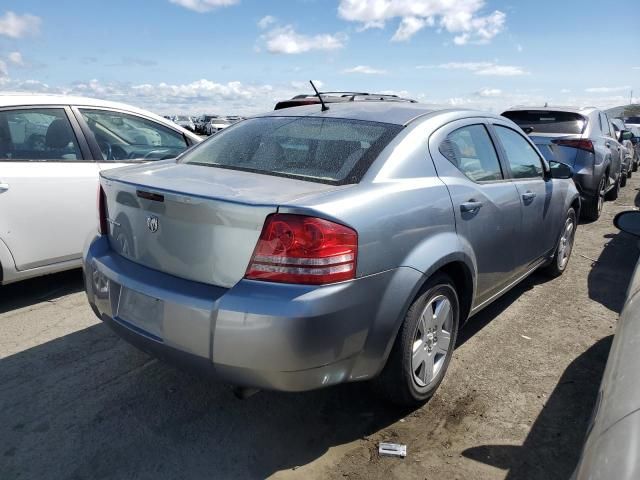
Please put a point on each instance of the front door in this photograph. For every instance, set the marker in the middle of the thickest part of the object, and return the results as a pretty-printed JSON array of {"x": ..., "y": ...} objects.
[
  {"x": 536, "y": 193},
  {"x": 486, "y": 204},
  {"x": 48, "y": 189}
]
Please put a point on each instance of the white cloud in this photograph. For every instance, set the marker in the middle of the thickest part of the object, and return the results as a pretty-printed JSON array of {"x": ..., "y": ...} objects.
[
  {"x": 16, "y": 58},
  {"x": 202, "y": 6},
  {"x": 635, "y": 68},
  {"x": 461, "y": 17},
  {"x": 607, "y": 89},
  {"x": 519, "y": 47},
  {"x": 286, "y": 40},
  {"x": 266, "y": 21},
  {"x": 489, "y": 92},
  {"x": 18, "y": 26},
  {"x": 3, "y": 69},
  {"x": 565, "y": 90},
  {"x": 365, "y": 70},
  {"x": 481, "y": 68}
]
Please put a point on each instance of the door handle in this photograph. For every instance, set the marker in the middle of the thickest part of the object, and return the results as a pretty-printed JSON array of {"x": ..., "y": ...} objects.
[
  {"x": 528, "y": 196},
  {"x": 4, "y": 187},
  {"x": 470, "y": 206}
]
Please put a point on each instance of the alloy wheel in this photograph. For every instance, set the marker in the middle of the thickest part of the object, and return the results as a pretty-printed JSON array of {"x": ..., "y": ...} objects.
[
  {"x": 566, "y": 242},
  {"x": 432, "y": 340}
]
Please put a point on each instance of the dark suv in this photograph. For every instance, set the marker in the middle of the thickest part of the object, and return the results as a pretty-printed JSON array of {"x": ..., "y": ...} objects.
[{"x": 582, "y": 138}]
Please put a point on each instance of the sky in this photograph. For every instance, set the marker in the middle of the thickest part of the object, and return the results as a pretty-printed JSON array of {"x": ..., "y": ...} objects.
[{"x": 241, "y": 56}]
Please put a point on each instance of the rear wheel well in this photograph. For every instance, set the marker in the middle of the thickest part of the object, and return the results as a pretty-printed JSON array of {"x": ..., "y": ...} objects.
[{"x": 463, "y": 280}]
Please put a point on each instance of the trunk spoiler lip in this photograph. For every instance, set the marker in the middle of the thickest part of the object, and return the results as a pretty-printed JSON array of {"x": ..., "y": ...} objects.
[{"x": 175, "y": 193}]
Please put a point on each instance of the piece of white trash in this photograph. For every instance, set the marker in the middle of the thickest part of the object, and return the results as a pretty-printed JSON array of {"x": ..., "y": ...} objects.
[
  {"x": 525, "y": 337},
  {"x": 392, "y": 449}
]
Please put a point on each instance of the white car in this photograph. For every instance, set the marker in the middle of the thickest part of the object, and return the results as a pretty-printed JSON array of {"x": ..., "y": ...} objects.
[
  {"x": 185, "y": 122},
  {"x": 215, "y": 125},
  {"x": 52, "y": 149}
]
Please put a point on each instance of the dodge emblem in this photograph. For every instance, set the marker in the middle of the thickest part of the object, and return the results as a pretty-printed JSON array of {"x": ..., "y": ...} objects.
[{"x": 153, "y": 223}]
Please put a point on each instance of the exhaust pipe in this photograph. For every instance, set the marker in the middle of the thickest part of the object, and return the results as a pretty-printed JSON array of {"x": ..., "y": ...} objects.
[{"x": 242, "y": 393}]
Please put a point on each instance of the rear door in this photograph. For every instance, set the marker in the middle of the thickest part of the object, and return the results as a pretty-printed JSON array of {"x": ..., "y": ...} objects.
[
  {"x": 527, "y": 171},
  {"x": 486, "y": 203},
  {"x": 48, "y": 186},
  {"x": 120, "y": 138}
]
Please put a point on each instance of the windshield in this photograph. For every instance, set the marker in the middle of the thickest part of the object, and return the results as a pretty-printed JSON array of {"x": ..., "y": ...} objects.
[
  {"x": 544, "y": 121},
  {"x": 327, "y": 150}
]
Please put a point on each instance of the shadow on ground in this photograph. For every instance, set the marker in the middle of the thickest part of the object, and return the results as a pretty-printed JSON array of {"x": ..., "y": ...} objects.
[
  {"x": 611, "y": 273},
  {"x": 553, "y": 446},
  {"x": 49, "y": 287}
]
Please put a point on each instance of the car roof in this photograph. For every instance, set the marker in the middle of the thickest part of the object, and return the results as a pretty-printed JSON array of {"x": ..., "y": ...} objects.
[
  {"x": 385, "y": 112},
  {"x": 20, "y": 99},
  {"x": 551, "y": 108}
]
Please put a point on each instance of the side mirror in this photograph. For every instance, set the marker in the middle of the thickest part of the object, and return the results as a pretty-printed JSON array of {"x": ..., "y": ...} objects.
[
  {"x": 628, "y": 221},
  {"x": 527, "y": 130},
  {"x": 626, "y": 135},
  {"x": 560, "y": 170}
]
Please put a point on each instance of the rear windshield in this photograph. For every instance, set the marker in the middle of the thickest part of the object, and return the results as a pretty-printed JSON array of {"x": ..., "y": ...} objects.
[
  {"x": 632, "y": 120},
  {"x": 548, "y": 121},
  {"x": 326, "y": 150}
]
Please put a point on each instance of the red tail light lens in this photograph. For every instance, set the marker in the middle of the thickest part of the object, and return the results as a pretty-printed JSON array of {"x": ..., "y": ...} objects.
[
  {"x": 103, "y": 226},
  {"x": 581, "y": 144},
  {"x": 305, "y": 250}
]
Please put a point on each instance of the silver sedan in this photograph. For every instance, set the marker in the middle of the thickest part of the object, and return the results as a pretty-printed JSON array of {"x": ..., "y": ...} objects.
[{"x": 308, "y": 247}]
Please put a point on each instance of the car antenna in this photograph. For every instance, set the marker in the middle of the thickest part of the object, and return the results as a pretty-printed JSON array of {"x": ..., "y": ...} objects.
[{"x": 324, "y": 107}]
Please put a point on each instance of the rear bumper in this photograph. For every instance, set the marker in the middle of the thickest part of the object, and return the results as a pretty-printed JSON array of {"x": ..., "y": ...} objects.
[{"x": 257, "y": 334}]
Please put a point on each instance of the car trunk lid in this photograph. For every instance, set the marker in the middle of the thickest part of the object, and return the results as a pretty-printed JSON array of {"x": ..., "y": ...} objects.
[
  {"x": 195, "y": 222},
  {"x": 552, "y": 151}
]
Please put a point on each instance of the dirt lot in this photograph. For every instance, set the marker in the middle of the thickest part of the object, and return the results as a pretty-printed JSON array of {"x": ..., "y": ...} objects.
[{"x": 77, "y": 402}]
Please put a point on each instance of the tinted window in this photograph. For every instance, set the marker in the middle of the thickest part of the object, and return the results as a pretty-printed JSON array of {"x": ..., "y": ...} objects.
[
  {"x": 121, "y": 136},
  {"x": 543, "y": 121},
  {"x": 37, "y": 134},
  {"x": 524, "y": 161},
  {"x": 472, "y": 151},
  {"x": 326, "y": 150}
]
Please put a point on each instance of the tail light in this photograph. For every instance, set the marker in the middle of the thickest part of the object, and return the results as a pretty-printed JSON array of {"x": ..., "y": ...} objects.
[
  {"x": 305, "y": 250},
  {"x": 103, "y": 225},
  {"x": 581, "y": 144}
]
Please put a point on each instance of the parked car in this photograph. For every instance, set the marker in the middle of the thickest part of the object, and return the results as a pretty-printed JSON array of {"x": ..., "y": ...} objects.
[
  {"x": 185, "y": 122},
  {"x": 635, "y": 140},
  {"x": 339, "y": 97},
  {"x": 51, "y": 151},
  {"x": 201, "y": 123},
  {"x": 306, "y": 248},
  {"x": 627, "y": 151},
  {"x": 582, "y": 138},
  {"x": 611, "y": 449},
  {"x": 215, "y": 125}
]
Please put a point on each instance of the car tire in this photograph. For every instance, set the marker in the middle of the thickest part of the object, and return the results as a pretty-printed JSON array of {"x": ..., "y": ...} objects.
[
  {"x": 564, "y": 246},
  {"x": 615, "y": 191},
  {"x": 623, "y": 179},
  {"x": 635, "y": 166},
  {"x": 418, "y": 362},
  {"x": 630, "y": 171},
  {"x": 592, "y": 207}
]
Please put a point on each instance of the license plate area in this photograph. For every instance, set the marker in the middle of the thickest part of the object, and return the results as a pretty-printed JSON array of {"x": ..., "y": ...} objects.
[{"x": 141, "y": 313}]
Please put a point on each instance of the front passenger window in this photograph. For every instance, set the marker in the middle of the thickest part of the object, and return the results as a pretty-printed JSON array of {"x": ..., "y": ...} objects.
[
  {"x": 471, "y": 150},
  {"x": 523, "y": 160},
  {"x": 121, "y": 136}
]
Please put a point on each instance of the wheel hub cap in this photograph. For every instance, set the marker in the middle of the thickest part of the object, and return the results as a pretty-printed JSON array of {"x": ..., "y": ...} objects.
[{"x": 432, "y": 340}]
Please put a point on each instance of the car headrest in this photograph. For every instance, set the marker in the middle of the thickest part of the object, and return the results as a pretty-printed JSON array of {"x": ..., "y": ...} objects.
[{"x": 59, "y": 134}]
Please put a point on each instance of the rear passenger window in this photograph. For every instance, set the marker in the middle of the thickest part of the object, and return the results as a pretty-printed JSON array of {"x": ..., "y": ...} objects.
[
  {"x": 472, "y": 151},
  {"x": 523, "y": 160},
  {"x": 37, "y": 134}
]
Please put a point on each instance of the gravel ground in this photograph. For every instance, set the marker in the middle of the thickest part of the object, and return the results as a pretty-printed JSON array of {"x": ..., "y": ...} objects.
[{"x": 76, "y": 402}]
